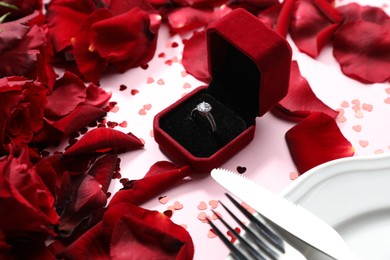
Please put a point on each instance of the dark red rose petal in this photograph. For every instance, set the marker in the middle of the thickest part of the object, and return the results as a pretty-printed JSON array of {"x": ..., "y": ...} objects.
[
  {"x": 103, "y": 169},
  {"x": 13, "y": 32},
  {"x": 90, "y": 64},
  {"x": 104, "y": 139},
  {"x": 69, "y": 91},
  {"x": 21, "y": 59},
  {"x": 313, "y": 23},
  {"x": 252, "y": 6},
  {"x": 90, "y": 246},
  {"x": 300, "y": 100},
  {"x": 80, "y": 117},
  {"x": 90, "y": 192},
  {"x": 5, "y": 248},
  {"x": 362, "y": 46},
  {"x": 316, "y": 140},
  {"x": 80, "y": 197},
  {"x": 122, "y": 6},
  {"x": 195, "y": 57},
  {"x": 160, "y": 176}
]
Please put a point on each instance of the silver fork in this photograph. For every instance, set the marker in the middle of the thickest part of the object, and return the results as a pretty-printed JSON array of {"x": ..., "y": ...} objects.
[{"x": 258, "y": 241}]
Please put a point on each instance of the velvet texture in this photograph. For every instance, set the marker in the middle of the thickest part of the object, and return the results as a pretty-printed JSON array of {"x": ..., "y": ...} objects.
[
  {"x": 193, "y": 132},
  {"x": 250, "y": 68}
]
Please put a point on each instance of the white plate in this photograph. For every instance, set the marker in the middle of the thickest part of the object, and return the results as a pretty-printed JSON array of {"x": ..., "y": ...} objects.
[{"x": 352, "y": 195}]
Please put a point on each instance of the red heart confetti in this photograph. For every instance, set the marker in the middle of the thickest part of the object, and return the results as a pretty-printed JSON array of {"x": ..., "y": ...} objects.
[{"x": 134, "y": 91}]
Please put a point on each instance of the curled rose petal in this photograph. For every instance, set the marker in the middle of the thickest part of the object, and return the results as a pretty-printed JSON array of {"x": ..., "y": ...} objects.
[
  {"x": 300, "y": 100},
  {"x": 312, "y": 25},
  {"x": 362, "y": 44},
  {"x": 160, "y": 176},
  {"x": 68, "y": 92},
  {"x": 316, "y": 140},
  {"x": 88, "y": 61},
  {"x": 103, "y": 140},
  {"x": 195, "y": 57}
]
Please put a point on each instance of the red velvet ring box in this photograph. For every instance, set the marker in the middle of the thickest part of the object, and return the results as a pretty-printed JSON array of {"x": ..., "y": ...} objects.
[{"x": 250, "y": 68}]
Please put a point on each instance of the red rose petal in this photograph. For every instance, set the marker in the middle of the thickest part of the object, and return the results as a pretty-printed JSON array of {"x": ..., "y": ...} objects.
[
  {"x": 104, "y": 139},
  {"x": 300, "y": 100},
  {"x": 160, "y": 176},
  {"x": 312, "y": 25},
  {"x": 90, "y": 245},
  {"x": 316, "y": 140},
  {"x": 90, "y": 64},
  {"x": 90, "y": 192},
  {"x": 137, "y": 232},
  {"x": 363, "y": 50},
  {"x": 64, "y": 19},
  {"x": 80, "y": 117},
  {"x": 13, "y": 32},
  {"x": 354, "y": 12},
  {"x": 96, "y": 96},
  {"x": 126, "y": 40},
  {"x": 69, "y": 91},
  {"x": 195, "y": 57},
  {"x": 103, "y": 169}
]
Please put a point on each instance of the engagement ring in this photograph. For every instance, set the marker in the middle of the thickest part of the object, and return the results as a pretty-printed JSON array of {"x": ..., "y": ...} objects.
[{"x": 204, "y": 109}]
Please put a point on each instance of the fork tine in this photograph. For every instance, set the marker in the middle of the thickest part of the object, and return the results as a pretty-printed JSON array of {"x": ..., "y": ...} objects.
[
  {"x": 255, "y": 238},
  {"x": 263, "y": 229},
  {"x": 248, "y": 248},
  {"x": 234, "y": 251}
]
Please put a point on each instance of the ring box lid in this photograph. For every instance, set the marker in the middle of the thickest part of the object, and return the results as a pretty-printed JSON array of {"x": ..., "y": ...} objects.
[{"x": 249, "y": 64}]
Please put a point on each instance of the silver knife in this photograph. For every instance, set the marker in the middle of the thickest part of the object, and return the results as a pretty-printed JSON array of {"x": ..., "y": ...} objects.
[{"x": 286, "y": 215}]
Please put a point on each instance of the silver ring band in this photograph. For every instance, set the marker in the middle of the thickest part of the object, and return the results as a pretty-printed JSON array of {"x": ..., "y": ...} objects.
[{"x": 204, "y": 109}]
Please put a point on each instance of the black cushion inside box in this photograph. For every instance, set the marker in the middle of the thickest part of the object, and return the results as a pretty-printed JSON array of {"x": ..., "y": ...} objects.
[{"x": 194, "y": 133}]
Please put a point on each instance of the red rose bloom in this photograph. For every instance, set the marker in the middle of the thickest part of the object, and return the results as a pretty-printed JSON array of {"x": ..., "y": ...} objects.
[
  {"x": 27, "y": 205},
  {"x": 22, "y": 104}
]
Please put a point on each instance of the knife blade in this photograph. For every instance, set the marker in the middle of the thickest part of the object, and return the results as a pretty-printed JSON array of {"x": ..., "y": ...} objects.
[{"x": 287, "y": 215}]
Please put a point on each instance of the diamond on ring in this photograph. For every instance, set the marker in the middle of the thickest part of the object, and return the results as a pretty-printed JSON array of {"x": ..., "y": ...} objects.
[{"x": 204, "y": 109}]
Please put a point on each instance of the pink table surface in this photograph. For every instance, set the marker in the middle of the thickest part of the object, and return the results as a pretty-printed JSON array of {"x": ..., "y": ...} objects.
[{"x": 364, "y": 121}]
